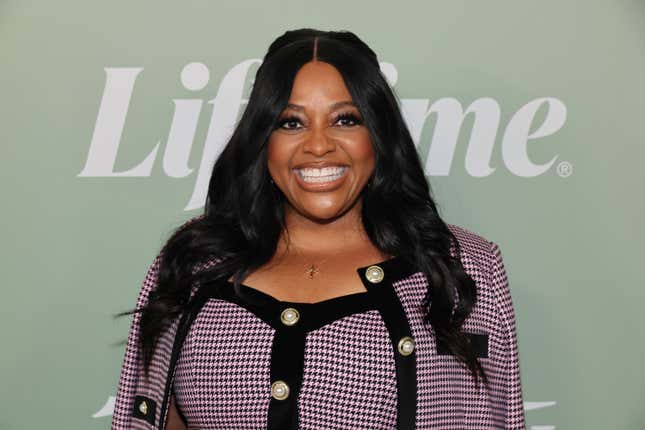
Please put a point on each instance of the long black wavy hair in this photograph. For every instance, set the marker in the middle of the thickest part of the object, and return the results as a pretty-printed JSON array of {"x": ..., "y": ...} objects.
[{"x": 243, "y": 213}]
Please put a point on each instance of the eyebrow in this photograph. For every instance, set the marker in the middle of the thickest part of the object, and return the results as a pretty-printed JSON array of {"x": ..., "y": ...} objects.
[{"x": 332, "y": 107}]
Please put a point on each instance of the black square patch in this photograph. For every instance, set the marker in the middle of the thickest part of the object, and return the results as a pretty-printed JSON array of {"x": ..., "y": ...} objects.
[{"x": 478, "y": 341}]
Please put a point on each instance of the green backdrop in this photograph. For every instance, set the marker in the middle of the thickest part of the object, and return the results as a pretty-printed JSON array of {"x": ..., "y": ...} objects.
[{"x": 548, "y": 164}]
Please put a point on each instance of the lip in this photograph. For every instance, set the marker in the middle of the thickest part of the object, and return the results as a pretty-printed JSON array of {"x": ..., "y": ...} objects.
[
  {"x": 320, "y": 165},
  {"x": 320, "y": 186}
]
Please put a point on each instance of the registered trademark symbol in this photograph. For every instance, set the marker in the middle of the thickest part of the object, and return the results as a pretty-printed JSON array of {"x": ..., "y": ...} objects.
[{"x": 564, "y": 169}]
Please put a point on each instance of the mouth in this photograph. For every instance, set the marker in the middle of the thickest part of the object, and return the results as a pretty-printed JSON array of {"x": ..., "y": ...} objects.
[{"x": 321, "y": 179}]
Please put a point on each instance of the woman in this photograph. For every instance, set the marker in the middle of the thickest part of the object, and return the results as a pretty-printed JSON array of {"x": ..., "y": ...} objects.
[{"x": 320, "y": 289}]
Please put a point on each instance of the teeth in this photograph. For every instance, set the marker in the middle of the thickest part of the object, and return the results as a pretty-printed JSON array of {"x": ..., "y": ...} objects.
[
  {"x": 325, "y": 171},
  {"x": 326, "y": 174}
]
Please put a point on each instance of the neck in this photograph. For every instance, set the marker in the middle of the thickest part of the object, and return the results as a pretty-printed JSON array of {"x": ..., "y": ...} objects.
[{"x": 309, "y": 236}]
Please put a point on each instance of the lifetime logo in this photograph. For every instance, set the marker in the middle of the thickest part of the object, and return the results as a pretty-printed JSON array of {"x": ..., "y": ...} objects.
[{"x": 226, "y": 105}]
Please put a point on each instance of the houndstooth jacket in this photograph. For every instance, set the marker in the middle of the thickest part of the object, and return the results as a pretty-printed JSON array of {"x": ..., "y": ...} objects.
[{"x": 362, "y": 361}]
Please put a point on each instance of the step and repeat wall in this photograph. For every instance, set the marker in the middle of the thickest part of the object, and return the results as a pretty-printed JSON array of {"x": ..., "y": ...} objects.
[{"x": 528, "y": 117}]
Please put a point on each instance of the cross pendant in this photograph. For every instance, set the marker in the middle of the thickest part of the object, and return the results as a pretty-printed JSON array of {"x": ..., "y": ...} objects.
[{"x": 311, "y": 271}]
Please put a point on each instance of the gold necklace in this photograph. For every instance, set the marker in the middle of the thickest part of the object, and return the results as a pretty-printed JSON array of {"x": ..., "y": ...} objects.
[{"x": 312, "y": 270}]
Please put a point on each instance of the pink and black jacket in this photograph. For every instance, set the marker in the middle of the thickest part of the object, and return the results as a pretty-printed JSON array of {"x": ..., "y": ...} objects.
[{"x": 362, "y": 361}]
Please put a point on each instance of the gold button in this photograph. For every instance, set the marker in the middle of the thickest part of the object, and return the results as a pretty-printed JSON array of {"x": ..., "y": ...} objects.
[
  {"x": 289, "y": 316},
  {"x": 279, "y": 390},
  {"x": 143, "y": 407},
  {"x": 406, "y": 345},
  {"x": 374, "y": 274}
]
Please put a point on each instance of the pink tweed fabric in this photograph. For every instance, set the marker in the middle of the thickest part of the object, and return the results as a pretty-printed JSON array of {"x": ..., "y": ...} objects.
[{"x": 350, "y": 370}]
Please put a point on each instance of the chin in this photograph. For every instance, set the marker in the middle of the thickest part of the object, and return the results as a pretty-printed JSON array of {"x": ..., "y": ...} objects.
[{"x": 326, "y": 213}]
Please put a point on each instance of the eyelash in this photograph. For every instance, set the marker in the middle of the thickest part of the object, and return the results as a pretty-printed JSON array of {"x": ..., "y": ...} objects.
[{"x": 344, "y": 116}]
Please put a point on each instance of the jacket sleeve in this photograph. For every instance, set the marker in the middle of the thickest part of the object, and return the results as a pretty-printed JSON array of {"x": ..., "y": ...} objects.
[
  {"x": 132, "y": 365},
  {"x": 507, "y": 388}
]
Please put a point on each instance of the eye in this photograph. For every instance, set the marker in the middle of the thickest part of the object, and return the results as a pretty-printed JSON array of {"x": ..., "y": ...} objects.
[
  {"x": 289, "y": 121},
  {"x": 348, "y": 119}
]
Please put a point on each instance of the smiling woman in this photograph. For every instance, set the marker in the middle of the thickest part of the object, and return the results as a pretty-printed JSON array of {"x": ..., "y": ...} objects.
[{"x": 320, "y": 288}]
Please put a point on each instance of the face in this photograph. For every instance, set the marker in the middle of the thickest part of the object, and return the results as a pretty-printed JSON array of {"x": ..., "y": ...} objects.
[{"x": 320, "y": 155}]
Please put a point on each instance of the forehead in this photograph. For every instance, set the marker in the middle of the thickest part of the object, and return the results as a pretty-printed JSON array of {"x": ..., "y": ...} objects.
[{"x": 318, "y": 82}]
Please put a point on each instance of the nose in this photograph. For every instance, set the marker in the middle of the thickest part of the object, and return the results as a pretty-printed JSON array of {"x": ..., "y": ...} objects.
[{"x": 318, "y": 143}]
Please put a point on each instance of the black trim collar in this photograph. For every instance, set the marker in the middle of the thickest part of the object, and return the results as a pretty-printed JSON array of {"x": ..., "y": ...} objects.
[{"x": 317, "y": 314}]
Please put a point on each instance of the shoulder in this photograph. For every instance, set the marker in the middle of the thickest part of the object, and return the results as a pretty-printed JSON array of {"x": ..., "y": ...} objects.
[
  {"x": 468, "y": 238},
  {"x": 481, "y": 257},
  {"x": 482, "y": 260},
  {"x": 476, "y": 251}
]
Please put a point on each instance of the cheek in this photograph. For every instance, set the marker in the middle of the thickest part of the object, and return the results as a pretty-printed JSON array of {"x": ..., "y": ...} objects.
[
  {"x": 272, "y": 147},
  {"x": 361, "y": 151},
  {"x": 276, "y": 156}
]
